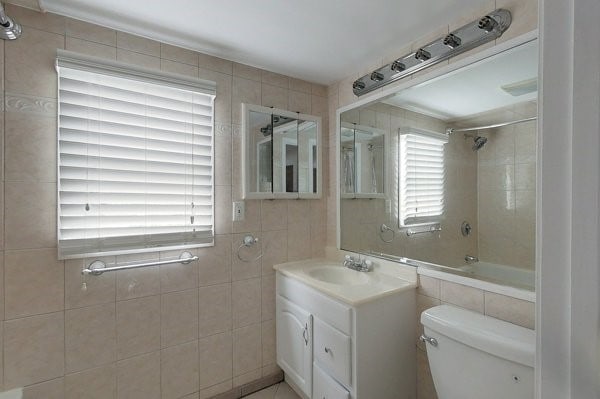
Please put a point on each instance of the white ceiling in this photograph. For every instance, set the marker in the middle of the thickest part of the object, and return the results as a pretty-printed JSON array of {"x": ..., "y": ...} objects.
[
  {"x": 474, "y": 89},
  {"x": 317, "y": 40}
]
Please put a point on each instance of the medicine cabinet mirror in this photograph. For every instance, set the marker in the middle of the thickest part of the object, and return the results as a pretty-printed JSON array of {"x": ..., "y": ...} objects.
[{"x": 282, "y": 154}]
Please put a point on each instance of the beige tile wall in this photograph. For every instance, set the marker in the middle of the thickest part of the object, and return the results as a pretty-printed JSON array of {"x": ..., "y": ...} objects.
[
  {"x": 158, "y": 332},
  {"x": 524, "y": 13},
  {"x": 506, "y": 191}
]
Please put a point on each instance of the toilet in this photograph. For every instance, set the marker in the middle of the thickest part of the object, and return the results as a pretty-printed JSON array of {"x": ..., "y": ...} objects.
[{"x": 473, "y": 356}]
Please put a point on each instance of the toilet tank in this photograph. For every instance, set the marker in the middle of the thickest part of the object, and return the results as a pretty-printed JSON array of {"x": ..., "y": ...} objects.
[{"x": 477, "y": 356}]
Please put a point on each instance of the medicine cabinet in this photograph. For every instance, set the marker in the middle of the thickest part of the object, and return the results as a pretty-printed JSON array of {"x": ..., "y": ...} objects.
[{"x": 281, "y": 154}]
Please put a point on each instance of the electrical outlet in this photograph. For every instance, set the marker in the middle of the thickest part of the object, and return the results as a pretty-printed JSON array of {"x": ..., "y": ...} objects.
[{"x": 239, "y": 211}]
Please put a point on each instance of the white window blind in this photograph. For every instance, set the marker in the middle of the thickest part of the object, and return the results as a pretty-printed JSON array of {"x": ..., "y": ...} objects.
[
  {"x": 421, "y": 176},
  {"x": 135, "y": 159}
]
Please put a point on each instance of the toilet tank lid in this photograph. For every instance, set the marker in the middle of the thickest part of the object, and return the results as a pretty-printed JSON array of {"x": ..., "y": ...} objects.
[{"x": 497, "y": 337}]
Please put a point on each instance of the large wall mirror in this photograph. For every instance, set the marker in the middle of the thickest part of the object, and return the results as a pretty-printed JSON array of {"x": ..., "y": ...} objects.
[
  {"x": 282, "y": 154},
  {"x": 444, "y": 172}
]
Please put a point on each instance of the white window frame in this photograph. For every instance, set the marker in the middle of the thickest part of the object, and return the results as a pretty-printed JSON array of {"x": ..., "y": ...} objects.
[
  {"x": 404, "y": 220},
  {"x": 75, "y": 61}
]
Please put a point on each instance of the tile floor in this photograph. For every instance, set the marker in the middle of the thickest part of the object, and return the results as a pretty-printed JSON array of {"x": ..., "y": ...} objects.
[{"x": 278, "y": 391}]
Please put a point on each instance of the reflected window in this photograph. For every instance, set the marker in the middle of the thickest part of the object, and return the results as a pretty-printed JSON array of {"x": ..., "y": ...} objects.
[{"x": 421, "y": 176}]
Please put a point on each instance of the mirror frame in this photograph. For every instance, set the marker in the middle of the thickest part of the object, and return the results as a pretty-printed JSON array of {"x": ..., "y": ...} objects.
[
  {"x": 405, "y": 84},
  {"x": 246, "y": 155}
]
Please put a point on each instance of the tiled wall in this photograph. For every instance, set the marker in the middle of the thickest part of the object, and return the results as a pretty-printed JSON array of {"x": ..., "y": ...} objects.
[
  {"x": 524, "y": 14},
  {"x": 506, "y": 190},
  {"x": 361, "y": 218},
  {"x": 158, "y": 332}
]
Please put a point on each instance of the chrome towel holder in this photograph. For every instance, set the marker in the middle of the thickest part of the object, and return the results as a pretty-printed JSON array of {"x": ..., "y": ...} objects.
[
  {"x": 98, "y": 267},
  {"x": 248, "y": 241}
]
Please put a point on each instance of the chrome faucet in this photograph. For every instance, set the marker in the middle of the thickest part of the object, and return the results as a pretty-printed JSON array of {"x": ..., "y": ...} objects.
[
  {"x": 471, "y": 259},
  {"x": 358, "y": 264}
]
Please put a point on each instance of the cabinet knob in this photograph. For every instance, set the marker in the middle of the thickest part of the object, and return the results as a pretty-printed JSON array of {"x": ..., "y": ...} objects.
[{"x": 327, "y": 350}]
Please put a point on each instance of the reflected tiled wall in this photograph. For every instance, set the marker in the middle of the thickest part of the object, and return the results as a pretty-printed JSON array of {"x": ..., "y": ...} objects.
[
  {"x": 361, "y": 218},
  {"x": 158, "y": 332},
  {"x": 506, "y": 191}
]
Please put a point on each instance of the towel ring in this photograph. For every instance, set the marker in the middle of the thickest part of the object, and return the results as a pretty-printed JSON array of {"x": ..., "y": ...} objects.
[
  {"x": 248, "y": 241},
  {"x": 385, "y": 228}
]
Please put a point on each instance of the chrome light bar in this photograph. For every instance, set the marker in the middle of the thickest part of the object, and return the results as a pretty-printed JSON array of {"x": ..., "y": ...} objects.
[{"x": 465, "y": 38}]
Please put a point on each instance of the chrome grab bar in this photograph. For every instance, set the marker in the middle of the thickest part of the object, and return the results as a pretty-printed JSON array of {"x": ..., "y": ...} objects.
[
  {"x": 98, "y": 267},
  {"x": 432, "y": 229}
]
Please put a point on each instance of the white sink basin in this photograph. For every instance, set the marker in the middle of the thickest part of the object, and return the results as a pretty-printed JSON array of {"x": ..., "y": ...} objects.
[
  {"x": 347, "y": 285},
  {"x": 338, "y": 275}
]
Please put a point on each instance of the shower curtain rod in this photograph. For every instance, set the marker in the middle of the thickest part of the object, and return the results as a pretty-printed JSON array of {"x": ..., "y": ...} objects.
[{"x": 451, "y": 130}]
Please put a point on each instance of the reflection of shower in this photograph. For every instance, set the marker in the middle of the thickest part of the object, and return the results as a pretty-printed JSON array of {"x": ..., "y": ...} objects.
[
  {"x": 478, "y": 141},
  {"x": 373, "y": 171},
  {"x": 348, "y": 159}
]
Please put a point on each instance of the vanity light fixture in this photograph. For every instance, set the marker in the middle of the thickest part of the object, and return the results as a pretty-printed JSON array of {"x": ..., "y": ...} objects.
[
  {"x": 465, "y": 38},
  {"x": 422, "y": 55},
  {"x": 377, "y": 76}
]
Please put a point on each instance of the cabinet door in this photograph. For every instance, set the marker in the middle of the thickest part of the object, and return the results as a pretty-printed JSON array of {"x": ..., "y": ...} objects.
[
  {"x": 294, "y": 343},
  {"x": 326, "y": 387}
]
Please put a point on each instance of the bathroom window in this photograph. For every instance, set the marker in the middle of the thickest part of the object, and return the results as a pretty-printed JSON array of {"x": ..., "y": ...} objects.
[
  {"x": 135, "y": 156},
  {"x": 421, "y": 176}
]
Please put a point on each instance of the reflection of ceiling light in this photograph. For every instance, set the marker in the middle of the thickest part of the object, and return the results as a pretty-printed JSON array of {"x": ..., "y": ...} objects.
[{"x": 521, "y": 88}]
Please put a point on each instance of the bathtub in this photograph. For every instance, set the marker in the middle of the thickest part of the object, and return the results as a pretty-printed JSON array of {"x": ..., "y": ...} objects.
[{"x": 514, "y": 275}]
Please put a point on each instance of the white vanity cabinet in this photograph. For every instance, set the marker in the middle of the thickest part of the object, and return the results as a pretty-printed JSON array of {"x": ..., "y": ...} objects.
[
  {"x": 330, "y": 349},
  {"x": 294, "y": 348}
]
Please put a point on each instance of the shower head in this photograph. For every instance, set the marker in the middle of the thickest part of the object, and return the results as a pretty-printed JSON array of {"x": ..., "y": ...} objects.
[
  {"x": 479, "y": 142},
  {"x": 9, "y": 28}
]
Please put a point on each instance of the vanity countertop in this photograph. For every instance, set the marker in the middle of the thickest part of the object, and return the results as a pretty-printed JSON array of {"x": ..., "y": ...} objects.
[{"x": 347, "y": 285}]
